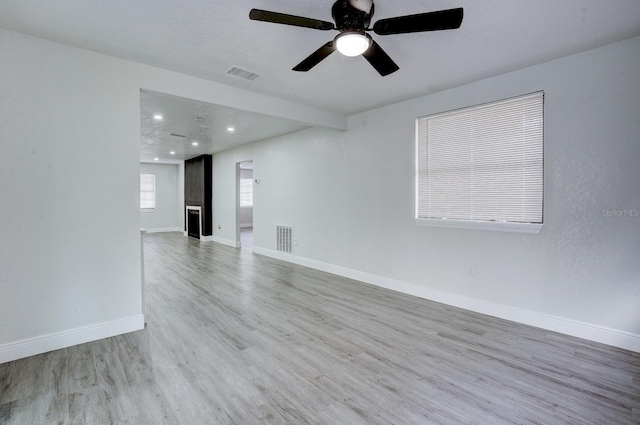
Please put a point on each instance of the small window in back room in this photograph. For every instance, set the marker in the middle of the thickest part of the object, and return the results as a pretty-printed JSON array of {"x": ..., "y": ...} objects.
[
  {"x": 246, "y": 192},
  {"x": 482, "y": 167},
  {"x": 147, "y": 192}
]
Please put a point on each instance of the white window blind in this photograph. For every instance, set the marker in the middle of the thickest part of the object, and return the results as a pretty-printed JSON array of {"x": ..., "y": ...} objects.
[
  {"x": 147, "y": 191},
  {"x": 246, "y": 193},
  {"x": 482, "y": 163}
]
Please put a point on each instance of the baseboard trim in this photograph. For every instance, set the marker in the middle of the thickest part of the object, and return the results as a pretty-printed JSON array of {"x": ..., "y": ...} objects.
[
  {"x": 228, "y": 242},
  {"x": 202, "y": 238},
  {"x": 613, "y": 337},
  {"x": 55, "y": 341},
  {"x": 163, "y": 229}
]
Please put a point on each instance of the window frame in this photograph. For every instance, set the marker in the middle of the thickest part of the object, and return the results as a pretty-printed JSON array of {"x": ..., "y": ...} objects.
[
  {"x": 475, "y": 224},
  {"x": 155, "y": 193},
  {"x": 241, "y": 192}
]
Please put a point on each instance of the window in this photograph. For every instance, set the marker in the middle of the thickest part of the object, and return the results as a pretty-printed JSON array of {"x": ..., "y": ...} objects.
[
  {"x": 246, "y": 193},
  {"x": 482, "y": 166},
  {"x": 147, "y": 192}
]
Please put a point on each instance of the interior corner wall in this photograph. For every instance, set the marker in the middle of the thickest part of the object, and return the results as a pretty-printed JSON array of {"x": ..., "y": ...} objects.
[
  {"x": 69, "y": 184},
  {"x": 350, "y": 197},
  {"x": 166, "y": 216}
]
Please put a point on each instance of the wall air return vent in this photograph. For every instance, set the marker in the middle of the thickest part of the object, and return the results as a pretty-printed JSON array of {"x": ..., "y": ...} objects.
[
  {"x": 243, "y": 73},
  {"x": 284, "y": 238}
]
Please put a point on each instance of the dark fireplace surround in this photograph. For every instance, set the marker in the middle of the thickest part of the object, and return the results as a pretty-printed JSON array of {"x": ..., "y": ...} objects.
[{"x": 197, "y": 193}]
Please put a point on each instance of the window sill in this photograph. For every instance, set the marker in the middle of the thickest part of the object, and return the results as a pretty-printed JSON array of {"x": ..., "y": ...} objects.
[
  {"x": 147, "y": 210},
  {"x": 481, "y": 225}
]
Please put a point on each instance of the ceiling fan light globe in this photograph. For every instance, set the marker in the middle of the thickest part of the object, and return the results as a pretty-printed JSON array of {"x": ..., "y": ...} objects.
[{"x": 353, "y": 43}]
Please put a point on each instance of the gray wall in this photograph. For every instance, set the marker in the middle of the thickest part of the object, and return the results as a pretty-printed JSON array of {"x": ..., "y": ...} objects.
[
  {"x": 166, "y": 216},
  {"x": 350, "y": 197}
]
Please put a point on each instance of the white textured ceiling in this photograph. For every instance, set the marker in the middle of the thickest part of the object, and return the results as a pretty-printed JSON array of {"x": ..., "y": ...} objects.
[
  {"x": 200, "y": 122},
  {"x": 205, "y": 38}
]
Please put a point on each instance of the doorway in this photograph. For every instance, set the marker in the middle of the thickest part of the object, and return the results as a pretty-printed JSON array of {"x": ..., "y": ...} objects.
[{"x": 244, "y": 204}]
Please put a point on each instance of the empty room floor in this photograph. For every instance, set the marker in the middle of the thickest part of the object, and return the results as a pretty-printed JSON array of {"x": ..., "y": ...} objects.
[
  {"x": 246, "y": 237},
  {"x": 237, "y": 338}
]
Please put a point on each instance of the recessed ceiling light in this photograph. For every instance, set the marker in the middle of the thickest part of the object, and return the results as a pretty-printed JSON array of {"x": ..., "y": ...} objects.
[
  {"x": 172, "y": 152},
  {"x": 157, "y": 117},
  {"x": 155, "y": 159},
  {"x": 231, "y": 129},
  {"x": 194, "y": 143}
]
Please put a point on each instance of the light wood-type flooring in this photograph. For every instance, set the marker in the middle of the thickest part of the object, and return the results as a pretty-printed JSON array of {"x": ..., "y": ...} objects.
[{"x": 237, "y": 338}]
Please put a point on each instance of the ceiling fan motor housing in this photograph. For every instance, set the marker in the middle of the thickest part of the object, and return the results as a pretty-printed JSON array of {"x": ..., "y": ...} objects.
[{"x": 348, "y": 18}]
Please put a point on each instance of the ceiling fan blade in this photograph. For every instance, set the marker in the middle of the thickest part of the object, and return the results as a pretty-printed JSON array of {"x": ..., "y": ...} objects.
[
  {"x": 379, "y": 59},
  {"x": 316, "y": 57},
  {"x": 283, "y": 18},
  {"x": 431, "y": 21}
]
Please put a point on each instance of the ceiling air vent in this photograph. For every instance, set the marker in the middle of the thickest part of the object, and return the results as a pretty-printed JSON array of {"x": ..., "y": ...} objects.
[
  {"x": 243, "y": 73},
  {"x": 200, "y": 121}
]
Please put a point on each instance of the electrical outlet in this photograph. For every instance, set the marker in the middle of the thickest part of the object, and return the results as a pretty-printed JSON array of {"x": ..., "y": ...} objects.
[
  {"x": 471, "y": 271},
  {"x": 295, "y": 242},
  {"x": 219, "y": 227}
]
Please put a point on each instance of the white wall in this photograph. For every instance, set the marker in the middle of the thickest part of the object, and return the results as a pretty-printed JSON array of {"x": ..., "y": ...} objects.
[
  {"x": 69, "y": 191},
  {"x": 69, "y": 210},
  {"x": 69, "y": 188},
  {"x": 350, "y": 198},
  {"x": 166, "y": 216}
]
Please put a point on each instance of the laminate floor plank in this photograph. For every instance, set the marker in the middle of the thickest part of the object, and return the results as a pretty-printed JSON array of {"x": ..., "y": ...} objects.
[
  {"x": 45, "y": 373},
  {"x": 238, "y": 338},
  {"x": 42, "y": 408}
]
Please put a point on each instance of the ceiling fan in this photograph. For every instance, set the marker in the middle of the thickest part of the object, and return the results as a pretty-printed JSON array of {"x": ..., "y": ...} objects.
[{"x": 352, "y": 19}]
